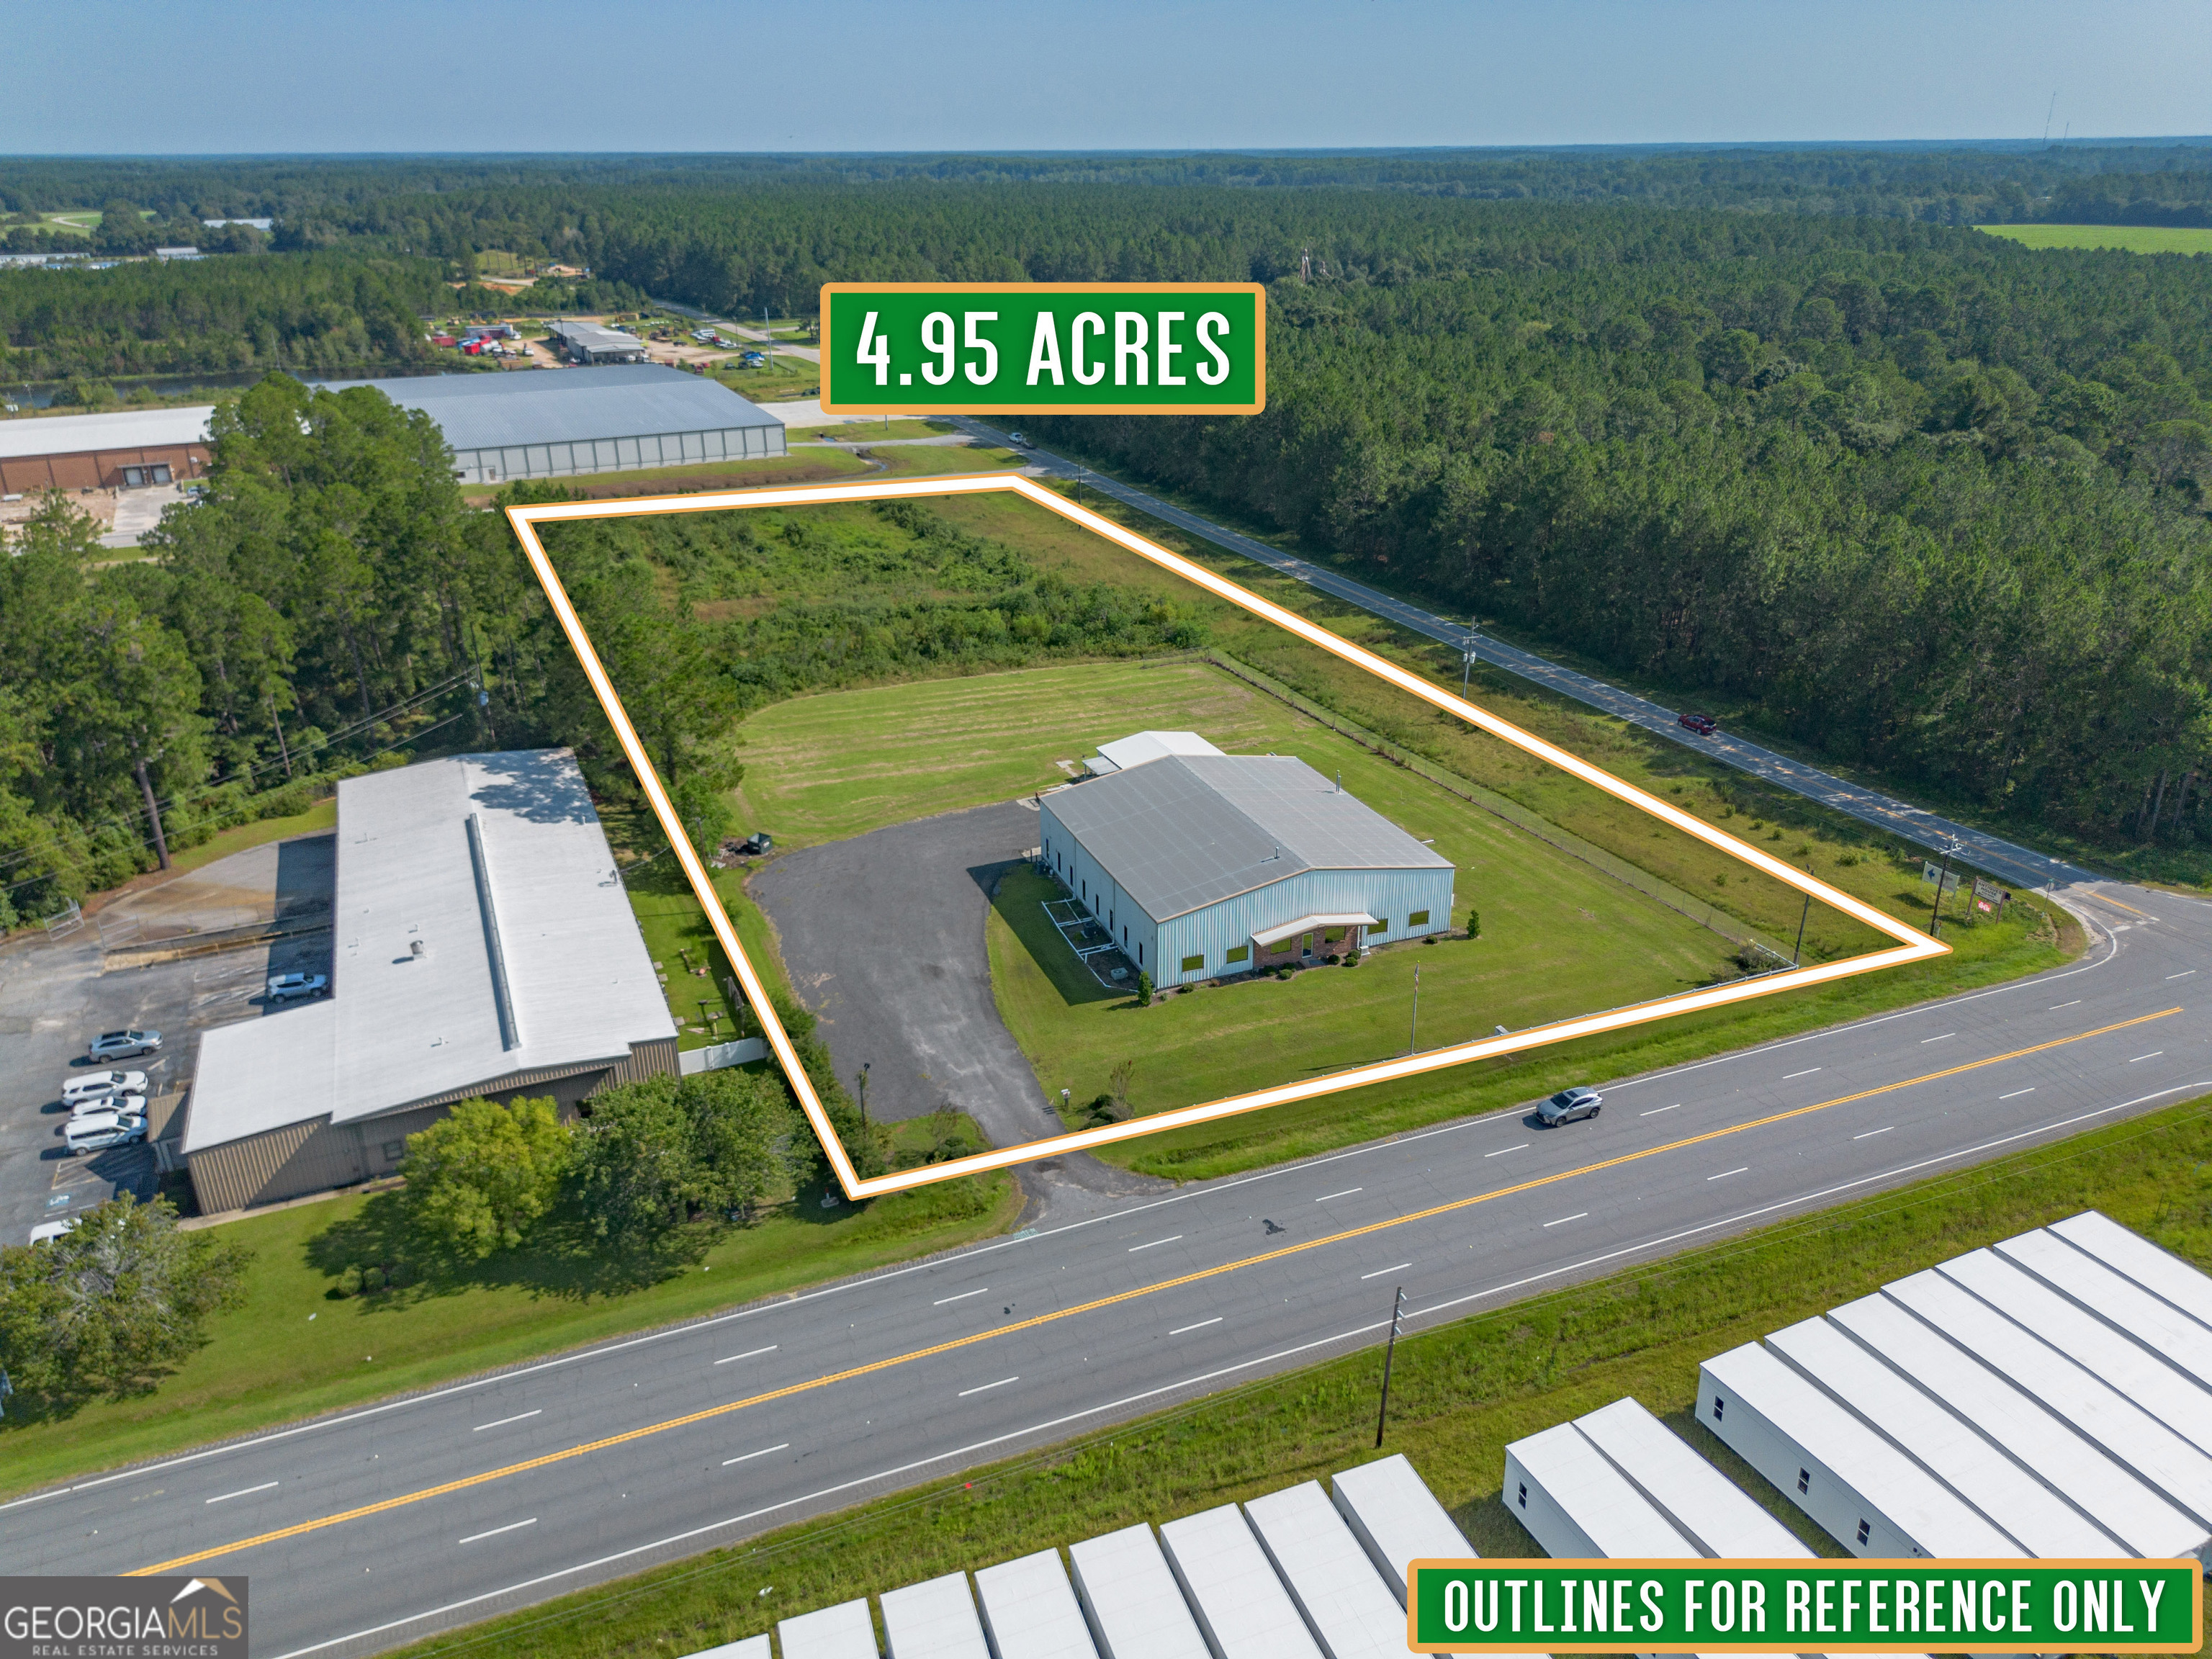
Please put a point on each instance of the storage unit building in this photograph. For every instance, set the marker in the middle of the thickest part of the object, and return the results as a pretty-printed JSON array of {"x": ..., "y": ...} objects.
[
  {"x": 549, "y": 423},
  {"x": 1578, "y": 1505},
  {"x": 753, "y": 1647},
  {"x": 124, "y": 450},
  {"x": 2161, "y": 1273},
  {"x": 1200, "y": 865},
  {"x": 2115, "y": 1299},
  {"x": 1240, "y": 1604},
  {"x": 1030, "y": 1612},
  {"x": 1335, "y": 1586},
  {"x": 933, "y": 1619},
  {"x": 1870, "y": 1496},
  {"x": 482, "y": 945},
  {"x": 844, "y": 1631},
  {"x": 1396, "y": 1518},
  {"x": 1716, "y": 1514},
  {"x": 1129, "y": 1592}
]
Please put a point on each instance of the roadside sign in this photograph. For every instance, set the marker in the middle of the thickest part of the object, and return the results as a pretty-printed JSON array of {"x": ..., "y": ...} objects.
[
  {"x": 1928, "y": 872},
  {"x": 1044, "y": 348}
]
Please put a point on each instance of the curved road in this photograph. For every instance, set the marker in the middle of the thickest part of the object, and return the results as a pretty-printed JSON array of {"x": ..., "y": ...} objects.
[{"x": 371, "y": 1528}]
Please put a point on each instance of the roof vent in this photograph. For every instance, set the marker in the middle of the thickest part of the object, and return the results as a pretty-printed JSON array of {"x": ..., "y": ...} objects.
[{"x": 418, "y": 948}]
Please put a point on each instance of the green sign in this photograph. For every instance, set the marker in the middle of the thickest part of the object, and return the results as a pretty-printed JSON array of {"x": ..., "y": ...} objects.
[
  {"x": 1044, "y": 348},
  {"x": 1824, "y": 1607}
]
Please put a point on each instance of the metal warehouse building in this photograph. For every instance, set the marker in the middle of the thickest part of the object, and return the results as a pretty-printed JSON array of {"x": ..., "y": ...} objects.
[
  {"x": 482, "y": 945},
  {"x": 557, "y": 423},
  {"x": 1201, "y": 863},
  {"x": 120, "y": 451}
]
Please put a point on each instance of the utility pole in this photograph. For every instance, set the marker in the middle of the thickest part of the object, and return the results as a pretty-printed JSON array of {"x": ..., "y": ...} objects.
[
  {"x": 1413, "y": 1037},
  {"x": 1390, "y": 1352},
  {"x": 1936, "y": 915},
  {"x": 1465, "y": 661}
]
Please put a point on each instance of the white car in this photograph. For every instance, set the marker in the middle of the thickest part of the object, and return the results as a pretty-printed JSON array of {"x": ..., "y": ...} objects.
[
  {"x": 287, "y": 988},
  {"x": 99, "y": 1085},
  {"x": 95, "y": 1132},
  {"x": 47, "y": 1231},
  {"x": 128, "y": 1105}
]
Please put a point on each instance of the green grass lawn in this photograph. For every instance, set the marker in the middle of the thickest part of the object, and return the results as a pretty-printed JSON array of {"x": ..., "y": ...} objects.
[
  {"x": 779, "y": 380},
  {"x": 1459, "y": 1395},
  {"x": 861, "y": 430},
  {"x": 2132, "y": 239}
]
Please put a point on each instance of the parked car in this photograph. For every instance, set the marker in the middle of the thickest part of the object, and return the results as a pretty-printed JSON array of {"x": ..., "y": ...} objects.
[
  {"x": 1569, "y": 1104},
  {"x": 133, "y": 1105},
  {"x": 291, "y": 988},
  {"x": 95, "y": 1132},
  {"x": 1704, "y": 725},
  {"x": 757, "y": 843},
  {"x": 47, "y": 1231},
  {"x": 99, "y": 1085},
  {"x": 122, "y": 1045}
]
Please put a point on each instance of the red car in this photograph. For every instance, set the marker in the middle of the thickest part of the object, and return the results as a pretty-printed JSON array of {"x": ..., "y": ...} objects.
[{"x": 1702, "y": 725}]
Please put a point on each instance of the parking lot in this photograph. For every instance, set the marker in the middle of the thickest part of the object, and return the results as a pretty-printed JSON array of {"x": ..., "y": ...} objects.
[{"x": 56, "y": 994}]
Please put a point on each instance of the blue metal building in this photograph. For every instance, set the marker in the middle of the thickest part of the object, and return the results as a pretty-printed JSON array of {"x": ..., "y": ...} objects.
[{"x": 1203, "y": 864}]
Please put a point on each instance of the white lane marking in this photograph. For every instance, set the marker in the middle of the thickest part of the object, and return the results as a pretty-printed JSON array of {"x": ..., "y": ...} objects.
[
  {"x": 1871, "y": 1134},
  {"x": 987, "y": 1386},
  {"x": 1502, "y": 1150},
  {"x": 243, "y": 1491},
  {"x": 512, "y": 1526},
  {"x": 1725, "y": 1174},
  {"x": 750, "y": 1353},
  {"x": 1577, "y": 1215},
  {"x": 2055, "y": 1006},
  {"x": 2017, "y": 1093},
  {"x": 942, "y": 1300},
  {"x": 1326, "y": 1197},
  {"x": 1947, "y": 1035},
  {"x": 1795, "y": 1075},
  {"x": 2153, "y": 1055},
  {"x": 1379, "y": 1272},
  {"x": 1170, "y": 1239},
  {"x": 1179, "y": 1329},
  {"x": 2183, "y": 974},
  {"x": 763, "y": 1452},
  {"x": 504, "y": 1421},
  {"x": 1655, "y": 1111}
]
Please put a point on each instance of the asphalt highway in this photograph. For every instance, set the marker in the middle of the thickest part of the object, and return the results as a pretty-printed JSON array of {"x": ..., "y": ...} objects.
[
  {"x": 2008, "y": 861},
  {"x": 372, "y": 1528}
]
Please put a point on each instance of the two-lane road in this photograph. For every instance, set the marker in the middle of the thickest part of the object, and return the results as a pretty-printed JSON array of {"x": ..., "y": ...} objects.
[{"x": 371, "y": 1528}]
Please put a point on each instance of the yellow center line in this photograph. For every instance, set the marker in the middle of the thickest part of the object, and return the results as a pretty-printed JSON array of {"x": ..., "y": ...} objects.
[
  {"x": 956, "y": 1343},
  {"x": 2107, "y": 898}
]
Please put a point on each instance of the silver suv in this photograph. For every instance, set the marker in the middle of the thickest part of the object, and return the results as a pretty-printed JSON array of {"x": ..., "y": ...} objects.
[
  {"x": 122, "y": 1045},
  {"x": 1569, "y": 1104}
]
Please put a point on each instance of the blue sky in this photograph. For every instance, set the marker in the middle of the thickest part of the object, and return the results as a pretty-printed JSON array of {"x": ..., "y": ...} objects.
[{"x": 134, "y": 76}]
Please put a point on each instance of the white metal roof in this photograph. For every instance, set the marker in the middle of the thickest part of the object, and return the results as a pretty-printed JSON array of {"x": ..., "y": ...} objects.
[
  {"x": 1935, "y": 1518},
  {"x": 2132, "y": 1369},
  {"x": 400, "y": 1028},
  {"x": 933, "y": 1619},
  {"x": 1030, "y": 1612},
  {"x": 1329, "y": 1575},
  {"x": 506, "y": 408},
  {"x": 1127, "y": 1589},
  {"x": 1705, "y": 1506},
  {"x": 844, "y": 1631},
  {"x": 1605, "y": 1515},
  {"x": 753, "y": 1647},
  {"x": 129, "y": 428},
  {"x": 1937, "y": 1439},
  {"x": 2117, "y": 1299},
  {"x": 2106, "y": 1418},
  {"x": 1303, "y": 924},
  {"x": 1241, "y": 1604},
  {"x": 2157, "y": 1271},
  {"x": 1139, "y": 747},
  {"x": 2092, "y": 1482},
  {"x": 1397, "y": 1518}
]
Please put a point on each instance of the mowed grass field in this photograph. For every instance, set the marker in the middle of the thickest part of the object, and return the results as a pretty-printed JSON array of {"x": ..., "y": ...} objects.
[{"x": 2132, "y": 239}]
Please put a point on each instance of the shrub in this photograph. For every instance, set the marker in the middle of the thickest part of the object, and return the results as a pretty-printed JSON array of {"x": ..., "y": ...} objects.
[
  {"x": 1143, "y": 988},
  {"x": 349, "y": 1282},
  {"x": 1352, "y": 956},
  {"x": 372, "y": 1279},
  {"x": 1475, "y": 924}
]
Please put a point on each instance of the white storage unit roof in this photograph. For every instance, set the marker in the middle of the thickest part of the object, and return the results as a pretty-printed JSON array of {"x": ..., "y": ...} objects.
[
  {"x": 753, "y": 1647},
  {"x": 2092, "y": 1482},
  {"x": 2162, "y": 1274},
  {"x": 1139, "y": 747},
  {"x": 1329, "y": 1576},
  {"x": 2115, "y": 1299},
  {"x": 1241, "y": 1606},
  {"x": 1707, "y": 1508},
  {"x": 2039, "y": 1520},
  {"x": 844, "y": 1631},
  {"x": 2131, "y": 1369},
  {"x": 933, "y": 1619},
  {"x": 2124, "y": 1430},
  {"x": 1870, "y": 1496},
  {"x": 1030, "y": 1611},
  {"x": 1577, "y": 1504},
  {"x": 1396, "y": 1518},
  {"x": 1130, "y": 1593}
]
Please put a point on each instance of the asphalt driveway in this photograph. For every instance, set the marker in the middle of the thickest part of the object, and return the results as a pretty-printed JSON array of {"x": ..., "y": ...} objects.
[{"x": 883, "y": 937}]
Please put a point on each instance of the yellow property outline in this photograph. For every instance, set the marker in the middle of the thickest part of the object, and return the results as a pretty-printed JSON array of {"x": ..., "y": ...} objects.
[{"x": 1911, "y": 945}]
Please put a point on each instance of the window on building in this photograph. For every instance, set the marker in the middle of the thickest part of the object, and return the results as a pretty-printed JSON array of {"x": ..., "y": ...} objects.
[
  {"x": 1418, "y": 918},
  {"x": 1140, "y": 956},
  {"x": 1805, "y": 1484},
  {"x": 1719, "y": 1407},
  {"x": 1240, "y": 953},
  {"x": 1863, "y": 1530},
  {"x": 1524, "y": 1494},
  {"x": 394, "y": 1151},
  {"x": 1193, "y": 964}
]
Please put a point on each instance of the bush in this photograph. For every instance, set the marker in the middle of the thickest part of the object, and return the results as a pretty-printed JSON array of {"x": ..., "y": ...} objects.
[
  {"x": 349, "y": 1282},
  {"x": 1475, "y": 924},
  {"x": 372, "y": 1279},
  {"x": 1352, "y": 956},
  {"x": 1143, "y": 988}
]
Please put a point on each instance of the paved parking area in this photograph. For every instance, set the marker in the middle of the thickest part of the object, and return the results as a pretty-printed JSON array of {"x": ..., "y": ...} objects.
[
  {"x": 55, "y": 994},
  {"x": 883, "y": 937}
]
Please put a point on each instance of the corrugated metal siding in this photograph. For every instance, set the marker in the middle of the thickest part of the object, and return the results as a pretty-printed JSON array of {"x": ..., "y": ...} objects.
[
  {"x": 617, "y": 454},
  {"x": 653, "y": 1059},
  {"x": 267, "y": 1169}
]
